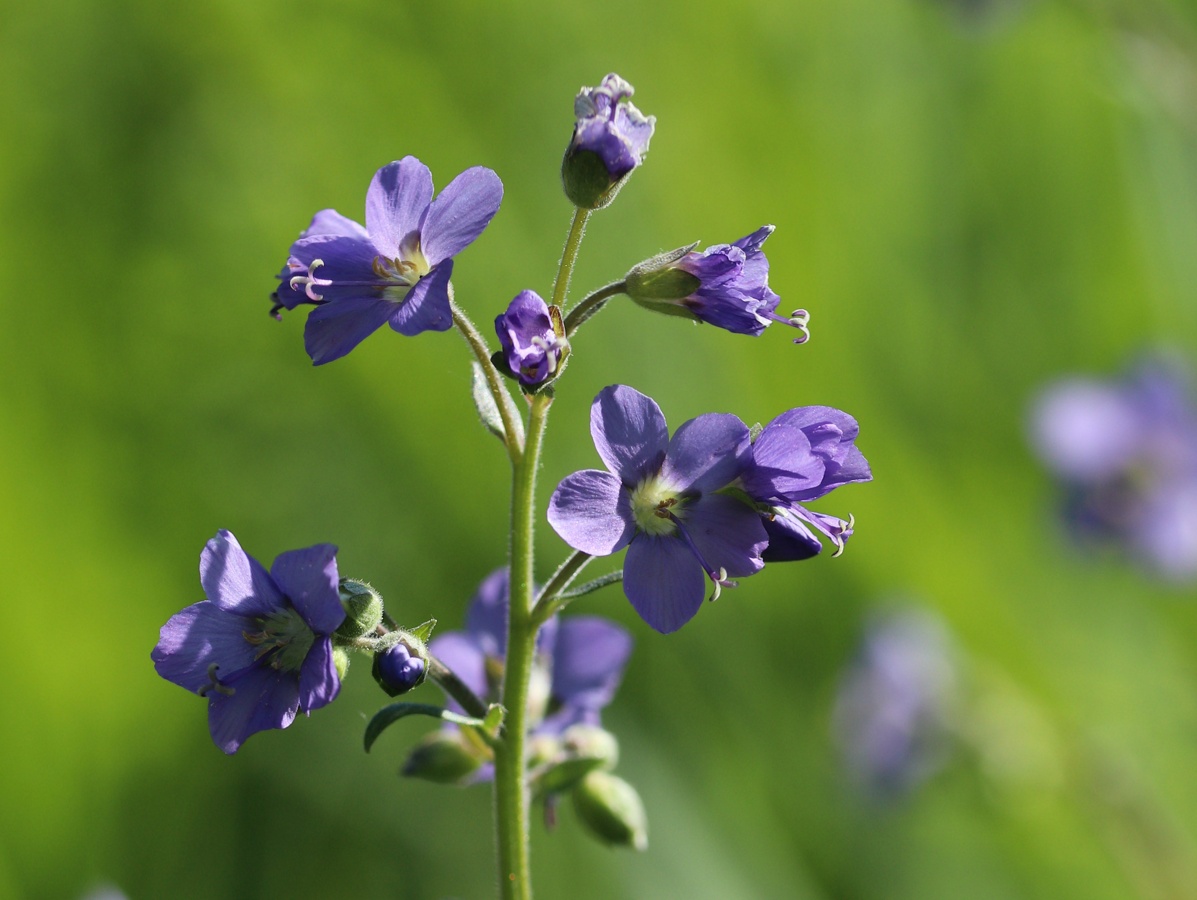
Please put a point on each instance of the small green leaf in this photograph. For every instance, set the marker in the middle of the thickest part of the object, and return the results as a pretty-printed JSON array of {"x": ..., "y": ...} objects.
[
  {"x": 484, "y": 402},
  {"x": 396, "y": 711}
]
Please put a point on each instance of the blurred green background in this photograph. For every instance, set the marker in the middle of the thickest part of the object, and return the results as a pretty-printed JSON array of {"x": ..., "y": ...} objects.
[{"x": 971, "y": 198}]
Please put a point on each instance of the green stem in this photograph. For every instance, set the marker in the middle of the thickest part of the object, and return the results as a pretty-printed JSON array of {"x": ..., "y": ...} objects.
[
  {"x": 448, "y": 681},
  {"x": 513, "y": 425},
  {"x": 590, "y": 305},
  {"x": 511, "y": 793},
  {"x": 572, "y": 242},
  {"x": 547, "y": 601}
]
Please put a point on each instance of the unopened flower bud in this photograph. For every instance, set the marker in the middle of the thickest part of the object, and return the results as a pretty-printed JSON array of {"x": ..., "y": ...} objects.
[
  {"x": 400, "y": 667},
  {"x": 583, "y": 749},
  {"x": 442, "y": 757},
  {"x": 363, "y": 608},
  {"x": 610, "y": 139},
  {"x": 533, "y": 340},
  {"x": 612, "y": 810}
]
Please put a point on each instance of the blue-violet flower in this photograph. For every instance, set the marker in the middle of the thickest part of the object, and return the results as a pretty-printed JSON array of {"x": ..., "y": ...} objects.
[
  {"x": 259, "y": 647},
  {"x": 532, "y": 348},
  {"x": 800, "y": 456},
  {"x": 397, "y": 268},
  {"x": 659, "y": 499},
  {"x": 610, "y": 139},
  {"x": 726, "y": 285}
]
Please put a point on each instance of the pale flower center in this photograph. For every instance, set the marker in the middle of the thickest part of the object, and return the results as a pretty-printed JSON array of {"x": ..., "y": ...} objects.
[{"x": 654, "y": 505}]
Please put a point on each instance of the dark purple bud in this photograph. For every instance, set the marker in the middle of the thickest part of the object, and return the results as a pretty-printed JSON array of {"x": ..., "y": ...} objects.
[
  {"x": 532, "y": 338},
  {"x": 398, "y": 669}
]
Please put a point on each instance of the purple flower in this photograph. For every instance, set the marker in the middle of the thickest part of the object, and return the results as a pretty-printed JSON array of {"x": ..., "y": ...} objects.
[
  {"x": 893, "y": 703},
  {"x": 394, "y": 270},
  {"x": 577, "y": 668},
  {"x": 259, "y": 647},
  {"x": 532, "y": 348},
  {"x": 800, "y": 456},
  {"x": 726, "y": 285},
  {"x": 610, "y": 139},
  {"x": 659, "y": 499},
  {"x": 1126, "y": 453},
  {"x": 399, "y": 669}
]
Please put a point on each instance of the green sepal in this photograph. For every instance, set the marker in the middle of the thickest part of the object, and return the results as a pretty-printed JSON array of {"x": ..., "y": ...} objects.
[
  {"x": 424, "y": 631},
  {"x": 660, "y": 285},
  {"x": 341, "y": 661},
  {"x": 386, "y": 716},
  {"x": 582, "y": 750},
  {"x": 755, "y": 432},
  {"x": 363, "y": 608},
  {"x": 586, "y": 181},
  {"x": 611, "y": 810}
]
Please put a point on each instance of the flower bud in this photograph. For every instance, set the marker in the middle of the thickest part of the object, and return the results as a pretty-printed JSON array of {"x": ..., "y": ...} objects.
[
  {"x": 533, "y": 340},
  {"x": 400, "y": 667},
  {"x": 610, "y": 139},
  {"x": 363, "y": 608},
  {"x": 583, "y": 749},
  {"x": 442, "y": 757},
  {"x": 611, "y": 810}
]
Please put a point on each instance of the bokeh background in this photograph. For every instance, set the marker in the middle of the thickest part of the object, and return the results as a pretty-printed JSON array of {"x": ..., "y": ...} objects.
[{"x": 971, "y": 198}]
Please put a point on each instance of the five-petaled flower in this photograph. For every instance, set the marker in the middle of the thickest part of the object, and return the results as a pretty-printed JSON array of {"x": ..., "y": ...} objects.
[
  {"x": 532, "y": 348},
  {"x": 259, "y": 647},
  {"x": 726, "y": 285},
  {"x": 660, "y": 500},
  {"x": 800, "y": 456},
  {"x": 577, "y": 668},
  {"x": 397, "y": 268}
]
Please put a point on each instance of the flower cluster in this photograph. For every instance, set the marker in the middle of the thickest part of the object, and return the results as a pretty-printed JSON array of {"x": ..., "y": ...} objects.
[
  {"x": 706, "y": 503},
  {"x": 1126, "y": 453},
  {"x": 259, "y": 648}
]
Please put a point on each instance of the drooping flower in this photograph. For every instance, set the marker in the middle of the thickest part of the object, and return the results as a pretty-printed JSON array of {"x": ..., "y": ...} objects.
[
  {"x": 259, "y": 647},
  {"x": 659, "y": 499},
  {"x": 892, "y": 709},
  {"x": 610, "y": 139},
  {"x": 397, "y": 268},
  {"x": 532, "y": 348},
  {"x": 1126, "y": 453},
  {"x": 577, "y": 668},
  {"x": 726, "y": 285},
  {"x": 800, "y": 456}
]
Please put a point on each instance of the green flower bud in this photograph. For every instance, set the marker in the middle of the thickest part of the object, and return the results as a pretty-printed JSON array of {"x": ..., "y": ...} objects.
[
  {"x": 442, "y": 757},
  {"x": 363, "y": 609},
  {"x": 583, "y": 749},
  {"x": 341, "y": 661},
  {"x": 612, "y": 810}
]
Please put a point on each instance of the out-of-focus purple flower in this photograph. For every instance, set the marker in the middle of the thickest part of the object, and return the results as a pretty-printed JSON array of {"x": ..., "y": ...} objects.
[
  {"x": 397, "y": 268},
  {"x": 532, "y": 348},
  {"x": 610, "y": 139},
  {"x": 1126, "y": 453},
  {"x": 800, "y": 456},
  {"x": 659, "y": 499},
  {"x": 259, "y": 647},
  {"x": 894, "y": 701},
  {"x": 726, "y": 285},
  {"x": 578, "y": 665}
]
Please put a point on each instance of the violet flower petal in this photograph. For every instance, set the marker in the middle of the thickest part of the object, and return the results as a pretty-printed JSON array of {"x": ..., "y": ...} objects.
[
  {"x": 486, "y": 616},
  {"x": 728, "y": 533},
  {"x": 629, "y": 432},
  {"x": 262, "y": 698},
  {"x": 789, "y": 540},
  {"x": 588, "y": 660},
  {"x": 333, "y": 329},
  {"x": 426, "y": 306},
  {"x": 197, "y": 637},
  {"x": 235, "y": 581},
  {"x": 460, "y": 213},
  {"x": 782, "y": 463},
  {"x": 329, "y": 221},
  {"x": 346, "y": 263},
  {"x": 664, "y": 582},
  {"x": 592, "y": 512},
  {"x": 706, "y": 453},
  {"x": 319, "y": 683},
  {"x": 396, "y": 202},
  {"x": 309, "y": 579}
]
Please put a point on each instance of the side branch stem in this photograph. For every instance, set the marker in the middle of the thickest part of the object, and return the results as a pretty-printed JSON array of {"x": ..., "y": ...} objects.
[
  {"x": 448, "y": 681},
  {"x": 590, "y": 305},
  {"x": 546, "y": 601},
  {"x": 513, "y": 425}
]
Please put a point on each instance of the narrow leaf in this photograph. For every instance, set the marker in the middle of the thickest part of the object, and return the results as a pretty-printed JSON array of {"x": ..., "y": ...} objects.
[
  {"x": 396, "y": 711},
  {"x": 484, "y": 402}
]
